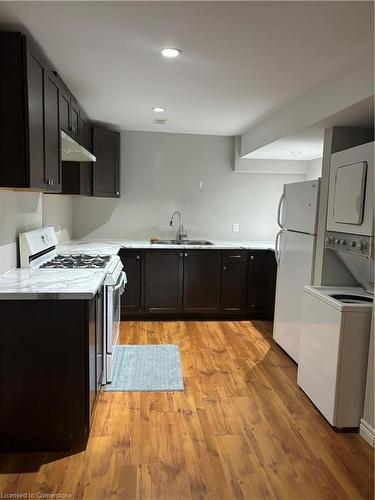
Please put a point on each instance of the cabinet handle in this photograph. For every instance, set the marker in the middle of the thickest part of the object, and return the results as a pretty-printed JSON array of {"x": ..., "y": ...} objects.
[
  {"x": 251, "y": 257},
  {"x": 235, "y": 256},
  {"x": 224, "y": 268},
  {"x": 117, "y": 193},
  {"x": 252, "y": 305},
  {"x": 186, "y": 254},
  {"x": 181, "y": 254},
  {"x": 138, "y": 257}
]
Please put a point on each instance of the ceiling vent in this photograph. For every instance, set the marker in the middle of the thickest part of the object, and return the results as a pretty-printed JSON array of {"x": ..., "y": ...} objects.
[{"x": 159, "y": 121}]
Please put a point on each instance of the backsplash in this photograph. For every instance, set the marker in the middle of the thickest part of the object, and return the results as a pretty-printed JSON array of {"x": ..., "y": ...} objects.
[{"x": 23, "y": 211}]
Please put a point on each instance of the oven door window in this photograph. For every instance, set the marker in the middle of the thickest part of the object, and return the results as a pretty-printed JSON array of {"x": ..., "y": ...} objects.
[{"x": 350, "y": 193}]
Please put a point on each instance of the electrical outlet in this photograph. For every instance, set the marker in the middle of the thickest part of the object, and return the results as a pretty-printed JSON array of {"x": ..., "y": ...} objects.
[
  {"x": 236, "y": 227},
  {"x": 200, "y": 184}
]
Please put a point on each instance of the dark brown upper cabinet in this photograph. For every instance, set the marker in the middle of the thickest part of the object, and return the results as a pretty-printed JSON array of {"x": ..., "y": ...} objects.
[
  {"x": 70, "y": 113},
  {"x": 52, "y": 146},
  {"x": 29, "y": 110},
  {"x": 106, "y": 169},
  {"x": 202, "y": 277}
]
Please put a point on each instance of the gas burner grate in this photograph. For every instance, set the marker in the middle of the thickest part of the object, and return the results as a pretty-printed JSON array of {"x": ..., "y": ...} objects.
[{"x": 80, "y": 261}]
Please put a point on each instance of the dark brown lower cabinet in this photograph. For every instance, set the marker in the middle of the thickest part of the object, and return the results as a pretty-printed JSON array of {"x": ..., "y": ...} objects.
[
  {"x": 49, "y": 372},
  {"x": 131, "y": 298},
  {"x": 234, "y": 288},
  {"x": 198, "y": 283},
  {"x": 262, "y": 282},
  {"x": 202, "y": 277},
  {"x": 163, "y": 281}
]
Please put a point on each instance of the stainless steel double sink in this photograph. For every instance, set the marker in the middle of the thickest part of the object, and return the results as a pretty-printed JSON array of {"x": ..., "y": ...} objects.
[{"x": 182, "y": 242}]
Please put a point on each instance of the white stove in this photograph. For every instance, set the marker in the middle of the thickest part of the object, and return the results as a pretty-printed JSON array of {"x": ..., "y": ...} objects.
[{"x": 38, "y": 250}]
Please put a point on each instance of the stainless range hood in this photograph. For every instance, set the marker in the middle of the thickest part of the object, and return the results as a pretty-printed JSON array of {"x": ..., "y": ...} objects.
[{"x": 72, "y": 151}]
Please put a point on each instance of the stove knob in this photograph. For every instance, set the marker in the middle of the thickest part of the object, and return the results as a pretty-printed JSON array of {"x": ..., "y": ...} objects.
[
  {"x": 328, "y": 240},
  {"x": 337, "y": 241},
  {"x": 342, "y": 242},
  {"x": 352, "y": 244},
  {"x": 360, "y": 245}
]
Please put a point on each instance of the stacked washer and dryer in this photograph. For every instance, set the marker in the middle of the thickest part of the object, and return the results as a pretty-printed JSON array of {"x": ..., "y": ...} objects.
[{"x": 336, "y": 321}]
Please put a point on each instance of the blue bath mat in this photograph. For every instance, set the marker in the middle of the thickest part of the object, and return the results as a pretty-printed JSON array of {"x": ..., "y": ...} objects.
[{"x": 147, "y": 368}]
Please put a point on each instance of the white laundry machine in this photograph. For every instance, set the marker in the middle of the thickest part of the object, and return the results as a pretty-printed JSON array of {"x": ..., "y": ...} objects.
[{"x": 333, "y": 351}]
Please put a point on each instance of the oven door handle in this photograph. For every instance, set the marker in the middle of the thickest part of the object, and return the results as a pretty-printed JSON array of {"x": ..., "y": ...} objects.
[{"x": 121, "y": 283}]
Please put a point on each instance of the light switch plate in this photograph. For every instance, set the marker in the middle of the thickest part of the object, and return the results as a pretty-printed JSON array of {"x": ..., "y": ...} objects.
[{"x": 236, "y": 227}]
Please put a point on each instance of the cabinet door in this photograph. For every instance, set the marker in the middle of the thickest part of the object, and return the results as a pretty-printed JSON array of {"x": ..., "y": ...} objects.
[
  {"x": 106, "y": 169},
  {"x": 74, "y": 114},
  {"x": 163, "y": 281},
  {"x": 202, "y": 276},
  {"x": 131, "y": 298},
  {"x": 52, "y": 133},
  {"x": 262, "y": 278},
  {"x": 35, "y": 89},
  {"x": 234, "y": 288},
  {"x": 86, "y": 179},
  {"x": 65, "y": 111},
  {"x": 82, "y": 130}
]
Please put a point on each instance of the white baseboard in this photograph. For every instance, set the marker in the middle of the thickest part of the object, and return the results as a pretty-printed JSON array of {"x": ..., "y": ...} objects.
[{"x": 367, "y": 432}]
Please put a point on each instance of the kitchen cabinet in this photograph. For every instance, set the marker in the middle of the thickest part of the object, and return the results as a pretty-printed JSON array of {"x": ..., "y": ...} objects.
[
  {"x": 172, "y": 283},
  {"x": 48, "y": 396},
  {"x": 29, "y": 108},
  {"x": 202, "y": 278},
  {"x": 69, "y": 111},
  {"x": 83, "y": 131},
  {"x": 131, "y": 298},
  {"x": 234, "y": 282},
  {"x": 52, "y": 132},
  {"x": 106, "y": 169},
  {"x": 76, "y": 178},
  {"x": 262, "y": 280},
  {"x": 163, "y": 281}
]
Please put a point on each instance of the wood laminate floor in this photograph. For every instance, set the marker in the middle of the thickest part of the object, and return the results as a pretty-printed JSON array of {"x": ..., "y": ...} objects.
[{"x": 242, "y": 429}]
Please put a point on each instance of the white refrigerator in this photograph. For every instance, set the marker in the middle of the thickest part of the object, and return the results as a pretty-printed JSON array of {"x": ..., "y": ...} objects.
[{"x": 295, "y": 255}]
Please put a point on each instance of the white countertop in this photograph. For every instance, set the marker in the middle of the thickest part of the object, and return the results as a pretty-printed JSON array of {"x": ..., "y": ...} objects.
[
  {"x": 50, "y": 284},
  {"x": 84, "y": 283},
  {"x": 112, "y": 247}
]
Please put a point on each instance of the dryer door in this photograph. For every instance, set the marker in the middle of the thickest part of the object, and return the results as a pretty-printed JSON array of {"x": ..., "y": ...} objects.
[{"x": 350, "y": 193}]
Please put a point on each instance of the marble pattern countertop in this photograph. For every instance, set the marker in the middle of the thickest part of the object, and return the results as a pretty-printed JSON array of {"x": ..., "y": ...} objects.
[
  {"x": 112, "y": 247},
  {"x": 84, "y": 283},
  {"x": 50, "y": 284}
]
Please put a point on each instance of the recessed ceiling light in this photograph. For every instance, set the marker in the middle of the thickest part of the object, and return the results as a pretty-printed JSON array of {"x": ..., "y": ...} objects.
[
  {"x": 296, "y": 153},
  {"x": 170, "y": 52},
  {"x": 159, "y": 109}
]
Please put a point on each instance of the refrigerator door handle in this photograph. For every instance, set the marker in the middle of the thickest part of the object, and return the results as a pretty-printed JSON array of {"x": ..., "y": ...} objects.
[
  {"x": 279, "y": 210},
  {"x": 277, "y": 249}
]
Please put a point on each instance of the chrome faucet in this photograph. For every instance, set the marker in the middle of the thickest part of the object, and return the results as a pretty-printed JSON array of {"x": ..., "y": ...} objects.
[{"x": 181, "y": 231}]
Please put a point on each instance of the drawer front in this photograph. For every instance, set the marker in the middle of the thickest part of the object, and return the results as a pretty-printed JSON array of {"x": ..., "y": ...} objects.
[{"x": 233, "y": 256}]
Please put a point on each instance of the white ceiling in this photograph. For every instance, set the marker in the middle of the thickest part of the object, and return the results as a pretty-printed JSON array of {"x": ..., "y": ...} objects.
[
  {"x": 241, "y": 60},
  {"x": 309, "y": 141}
]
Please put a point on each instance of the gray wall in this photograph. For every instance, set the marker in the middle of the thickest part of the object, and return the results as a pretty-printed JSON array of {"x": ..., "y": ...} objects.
[
  {"x": 23, "y": 211},
  {"x": 161, "y": 173}
]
